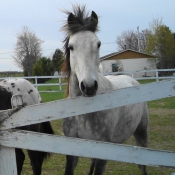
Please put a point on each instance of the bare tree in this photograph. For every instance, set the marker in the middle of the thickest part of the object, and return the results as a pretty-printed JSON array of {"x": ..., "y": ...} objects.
[
  {"x": 126, "y": 40},
  {"x": 129, "y": 40},
  {"x": 27, "y": 50},
  {"x": 143, "y": 36}
]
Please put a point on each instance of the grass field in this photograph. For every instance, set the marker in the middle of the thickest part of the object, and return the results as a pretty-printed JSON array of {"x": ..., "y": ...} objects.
[{"x": 161, "y": 135}]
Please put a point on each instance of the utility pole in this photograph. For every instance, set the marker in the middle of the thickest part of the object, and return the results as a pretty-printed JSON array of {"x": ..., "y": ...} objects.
[{"x": 138, "y": 37}]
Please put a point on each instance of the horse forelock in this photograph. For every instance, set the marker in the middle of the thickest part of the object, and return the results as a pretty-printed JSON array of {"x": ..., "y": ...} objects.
[{"x": 79, "y": 20}]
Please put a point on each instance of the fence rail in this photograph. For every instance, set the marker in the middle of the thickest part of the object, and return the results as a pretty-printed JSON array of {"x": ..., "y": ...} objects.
[
  {"x": 157, "y": 76},
  {"x": 131, "y": 73},
  {"x": 12, "y": 138},
  {"x": 36, "y": 84},
  {"x": 87, "y": 148}
]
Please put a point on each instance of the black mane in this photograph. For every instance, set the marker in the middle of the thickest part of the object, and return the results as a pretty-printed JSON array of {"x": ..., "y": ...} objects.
[{"x": 80, "y": 20}]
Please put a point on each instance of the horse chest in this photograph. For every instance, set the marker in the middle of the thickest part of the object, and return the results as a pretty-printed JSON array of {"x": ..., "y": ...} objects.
[
  {"x": 96, "y": 126},
  {"x": 129, "y": 118}
]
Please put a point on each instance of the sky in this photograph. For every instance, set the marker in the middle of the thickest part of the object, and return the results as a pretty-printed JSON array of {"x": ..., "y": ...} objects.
[{"x": 45, "y": 19}]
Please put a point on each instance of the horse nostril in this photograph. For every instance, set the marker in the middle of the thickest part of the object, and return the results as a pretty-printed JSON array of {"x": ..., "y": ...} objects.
[
  {"x": 83, "y": 86},
  {"x": 89, "y": 90},
  {"x": 96, "y": 85}
]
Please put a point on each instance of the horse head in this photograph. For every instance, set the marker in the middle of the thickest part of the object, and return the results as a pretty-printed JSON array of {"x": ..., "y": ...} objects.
[{"x": 82, "y": 49}]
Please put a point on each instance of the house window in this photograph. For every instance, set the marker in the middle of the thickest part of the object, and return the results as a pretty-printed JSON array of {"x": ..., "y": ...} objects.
[{"x": 114, "y": 67}]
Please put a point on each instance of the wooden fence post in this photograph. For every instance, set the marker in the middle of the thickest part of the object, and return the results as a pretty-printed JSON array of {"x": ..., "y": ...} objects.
[
  {"x": 157, "y": 75},
  {"x": 60, "y": 84},
  {"x": 36, "y": 82},
  {"x": 132, "y": 74},
  {"x": 7, "y": 161}
]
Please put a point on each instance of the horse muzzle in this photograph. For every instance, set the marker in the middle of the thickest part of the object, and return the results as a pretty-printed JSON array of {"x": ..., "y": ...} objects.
[{"x": 89, "y": 90}]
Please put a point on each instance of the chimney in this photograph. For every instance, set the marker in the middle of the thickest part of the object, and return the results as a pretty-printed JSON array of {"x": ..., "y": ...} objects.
[{"x": 125, "y": 46}]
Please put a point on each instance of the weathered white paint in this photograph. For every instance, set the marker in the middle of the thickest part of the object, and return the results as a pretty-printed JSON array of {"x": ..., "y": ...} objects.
[
  {"x": 72, "y": 146},
  {"x": 7, "y": 161},
  {"x": 4, "y": 114},
  {"x": 87, "y": 148},
  {"x": 82, "y": 105}
]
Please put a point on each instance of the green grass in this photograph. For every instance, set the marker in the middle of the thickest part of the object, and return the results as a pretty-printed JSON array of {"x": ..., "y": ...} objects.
[
  {"x": 12, "y": 75},
  {"x": 147, "y": 81},
  {"x": 52, "y": 88},
  {"x": 52, "y": 96},
  {"x": 161, "y": 135},
  {"x": 162, "y": 103}
]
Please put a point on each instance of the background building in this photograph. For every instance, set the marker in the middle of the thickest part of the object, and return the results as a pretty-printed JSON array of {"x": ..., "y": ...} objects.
[{"x": 128, "y": 60}]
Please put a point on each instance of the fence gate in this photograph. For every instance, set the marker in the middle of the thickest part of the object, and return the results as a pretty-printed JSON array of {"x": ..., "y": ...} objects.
[{"x": 11, "y": 138}]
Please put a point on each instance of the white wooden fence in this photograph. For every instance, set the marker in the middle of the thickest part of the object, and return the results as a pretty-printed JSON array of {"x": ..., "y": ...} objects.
[
  {"x": 61, "y": 81},
  {"x": 11, "y": 138},
  {"x": 156, "y": 71}
]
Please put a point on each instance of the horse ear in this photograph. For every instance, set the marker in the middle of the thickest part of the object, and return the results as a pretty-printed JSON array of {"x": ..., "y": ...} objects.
[
  {"x": 94, "y": 16},
  {"x": 70, "y": 18}
]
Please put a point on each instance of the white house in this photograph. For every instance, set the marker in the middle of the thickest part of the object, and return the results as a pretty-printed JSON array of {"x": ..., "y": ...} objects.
[{"x": 128, "y": 60}]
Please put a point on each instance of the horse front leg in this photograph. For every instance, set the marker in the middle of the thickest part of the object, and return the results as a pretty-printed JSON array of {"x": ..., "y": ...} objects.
[
  {"x": 71, "y": 162},
  {"x": 20, "y": 157},
  {"x": 91, "y": 170},
  {"x": 141, "y": 139},
  {"x": 99, "y": 166},
  {"x": 36, "y": 161}
]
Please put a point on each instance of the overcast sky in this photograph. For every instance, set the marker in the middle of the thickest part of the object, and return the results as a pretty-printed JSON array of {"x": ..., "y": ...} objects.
[{"x": 45, "y": 19}]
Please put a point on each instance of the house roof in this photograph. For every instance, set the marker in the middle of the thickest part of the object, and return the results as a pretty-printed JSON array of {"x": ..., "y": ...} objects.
[{"x": 126, "y": 54}]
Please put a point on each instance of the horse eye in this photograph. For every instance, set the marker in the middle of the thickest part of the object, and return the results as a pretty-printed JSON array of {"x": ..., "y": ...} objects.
[
  {"x": 99, "y": 44},
  {"x": 70, "y": 47}
]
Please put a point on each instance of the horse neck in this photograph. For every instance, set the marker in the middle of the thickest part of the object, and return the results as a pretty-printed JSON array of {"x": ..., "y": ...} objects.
[
  {"x": 104, "y": 84},
  {"x": 74, "y": 89}
]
